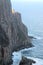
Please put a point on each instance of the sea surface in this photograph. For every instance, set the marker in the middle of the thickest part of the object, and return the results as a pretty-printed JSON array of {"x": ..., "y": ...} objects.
[
  {"x": 35, "y": 53},
  {"x": 32, "y": 15}
]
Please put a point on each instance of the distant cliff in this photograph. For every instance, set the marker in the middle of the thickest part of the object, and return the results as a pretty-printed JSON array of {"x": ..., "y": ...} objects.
[{"x": 16, "y": 33}]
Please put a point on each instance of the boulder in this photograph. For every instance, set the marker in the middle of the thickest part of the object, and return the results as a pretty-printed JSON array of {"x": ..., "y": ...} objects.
[{"x": 26, "y": 61}]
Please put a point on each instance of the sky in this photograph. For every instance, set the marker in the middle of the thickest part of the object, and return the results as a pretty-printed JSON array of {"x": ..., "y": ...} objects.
[
  {"x": 31, "y": 13},
  {"x": 27, "y": 0}
]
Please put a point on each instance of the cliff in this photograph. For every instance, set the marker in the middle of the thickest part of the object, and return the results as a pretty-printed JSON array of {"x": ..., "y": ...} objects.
[
  {"x": 21, "y": 38},
  {"x": 13, "y": 31}
]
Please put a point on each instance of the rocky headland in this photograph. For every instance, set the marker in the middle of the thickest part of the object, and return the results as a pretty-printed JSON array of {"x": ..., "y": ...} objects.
[
  {"x": 13, "y": 33},
  {"x": 25, "y": 61}
]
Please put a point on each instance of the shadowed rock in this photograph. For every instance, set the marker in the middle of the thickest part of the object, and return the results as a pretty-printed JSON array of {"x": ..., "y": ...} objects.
[
  {"x": 26, "y": 61},
  {"x": 13, "y": 33},
  {"x": 4, "y": 41},
  {"x": 21, "y": 38}
]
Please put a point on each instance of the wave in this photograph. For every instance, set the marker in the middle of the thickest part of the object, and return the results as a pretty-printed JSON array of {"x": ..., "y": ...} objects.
[
  {"x": 17, "y": 57},
  {"x": 26, "y": 49},
  {"x": 38, "y": 61},
  {"x": 36, "y": 36}
]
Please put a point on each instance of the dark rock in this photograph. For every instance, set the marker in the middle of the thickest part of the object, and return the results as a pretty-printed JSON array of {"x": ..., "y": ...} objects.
[
  {"x": 21, "y": 38},
  {"x": 26, "y": 61},
  {"x": 4, "y": 40},
  {"x": 13, "y": 33}
]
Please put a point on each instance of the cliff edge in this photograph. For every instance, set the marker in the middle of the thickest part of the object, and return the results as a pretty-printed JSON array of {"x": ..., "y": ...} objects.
[{"x": 14, "y": 32}]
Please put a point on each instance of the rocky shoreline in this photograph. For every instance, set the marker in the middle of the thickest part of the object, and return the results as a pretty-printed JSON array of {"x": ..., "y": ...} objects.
[{"x": 25, "y": 61}]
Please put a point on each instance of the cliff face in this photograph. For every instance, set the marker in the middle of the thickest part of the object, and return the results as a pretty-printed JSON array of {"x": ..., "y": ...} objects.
[
  {"x": 5, "y": 22},
  {"x": 15, "y": 31},
  {"x": 21, "y": 33}
]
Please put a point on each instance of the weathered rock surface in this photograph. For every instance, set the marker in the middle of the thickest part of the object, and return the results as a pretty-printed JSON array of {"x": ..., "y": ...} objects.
[
  {"x": 26, "y": 61},
  {"x": 21, "y": 38},
  {"x": 13, "y": 31}
]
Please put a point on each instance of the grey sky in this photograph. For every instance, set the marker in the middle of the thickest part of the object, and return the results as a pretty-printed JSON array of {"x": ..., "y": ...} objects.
[
  {"x": 32, "y": 14},
  {"x": 27, "y": 0}
]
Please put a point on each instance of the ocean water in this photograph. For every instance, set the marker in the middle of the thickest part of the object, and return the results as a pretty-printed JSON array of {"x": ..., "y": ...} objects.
[
  {"x": 35, "y": 53},
  {"x": 32, "y": 15}
]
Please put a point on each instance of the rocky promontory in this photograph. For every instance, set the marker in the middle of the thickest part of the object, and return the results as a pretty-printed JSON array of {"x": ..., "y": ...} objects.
[
  {"x": 25, "y": 61},
  {"x": 13, "y": 33}
]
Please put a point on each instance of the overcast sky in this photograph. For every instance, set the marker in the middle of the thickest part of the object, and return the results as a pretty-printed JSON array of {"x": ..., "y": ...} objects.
[
  {"x": 32, "y": 14},
  {"x": 27, "y": 0}
]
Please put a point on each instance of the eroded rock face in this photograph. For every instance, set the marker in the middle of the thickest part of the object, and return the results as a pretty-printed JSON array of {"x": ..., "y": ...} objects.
[
  {"x": 21, "y": 38},
  {"x": 26, "y": 61},
  {"x": 15, "y": 32},
  {"x": 5, "y": 53},
  {"x": 5, "y": 30}
]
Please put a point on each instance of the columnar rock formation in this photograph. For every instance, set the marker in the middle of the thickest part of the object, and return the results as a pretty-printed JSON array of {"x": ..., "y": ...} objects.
[{"x": 16, "y": 32}]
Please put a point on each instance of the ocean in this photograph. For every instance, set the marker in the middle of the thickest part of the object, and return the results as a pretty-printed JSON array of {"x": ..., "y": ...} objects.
[
  {"x": 32, "y": 17},
  {"x": 35, "y": 53}
]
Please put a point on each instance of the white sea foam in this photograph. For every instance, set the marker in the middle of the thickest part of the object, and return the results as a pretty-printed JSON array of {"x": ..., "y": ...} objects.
[
  {"x": 17, "y": 57},
  {"x": 36, "y": 36},
  {"x": 26, "y": 49},
  {"x": 38, "y": 61}
]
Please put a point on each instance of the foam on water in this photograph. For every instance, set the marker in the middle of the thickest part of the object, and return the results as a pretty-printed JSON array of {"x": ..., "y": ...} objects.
[
  {"x": 17, "y": 57},
  {"x": 26, "y": 49},
  {"x": 35, "y": 53},
  {"x": 38, "y": 61},
  {"x": 36, "y": 36}
]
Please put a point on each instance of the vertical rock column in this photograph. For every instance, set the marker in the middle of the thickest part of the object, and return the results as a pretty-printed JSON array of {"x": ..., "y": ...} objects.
[{"x": 5, "y": 22}]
